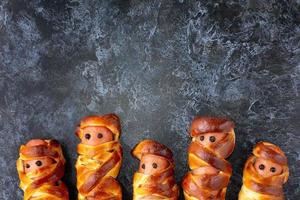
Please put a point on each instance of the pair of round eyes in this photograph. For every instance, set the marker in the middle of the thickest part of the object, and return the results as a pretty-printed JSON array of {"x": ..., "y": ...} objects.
[
  {"x": 38, "y": 163},
  {"x": 88, "y": 136},
  {"x": 211, "y": 138},
  {"x": 154, "y": 165},
  {"x": 262, "y": 167}
]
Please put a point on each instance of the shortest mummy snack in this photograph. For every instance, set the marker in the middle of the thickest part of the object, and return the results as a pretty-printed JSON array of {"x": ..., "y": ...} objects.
[
  {"x": 265, "y": 173},
  {"x": 40, "y": 168},
  {"x": 155, "y": 177}
]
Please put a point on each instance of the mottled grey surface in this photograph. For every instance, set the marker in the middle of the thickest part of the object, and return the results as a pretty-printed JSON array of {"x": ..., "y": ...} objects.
[{"x": 155, "y": 63}]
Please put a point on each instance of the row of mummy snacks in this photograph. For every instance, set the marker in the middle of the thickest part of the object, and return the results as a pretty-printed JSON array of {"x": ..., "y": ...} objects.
[{"x": 41, "y": 165}]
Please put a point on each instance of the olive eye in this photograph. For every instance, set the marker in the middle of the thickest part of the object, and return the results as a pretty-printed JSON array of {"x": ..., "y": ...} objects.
[
  {"x": 38, "y": 163},
  {"x": 154, "y": 165},
  {"x": 100, "y": 135},
  {"x": 261, "y": 167},
  {"x": 212, "y": 138},
  {"x": 143, "y": 166},
  {"x": 87, "y": 136},
  {"x": 273, "y": 169},
  {"x": 202, "y": 137},
  {"x": 27, "y": 166}
]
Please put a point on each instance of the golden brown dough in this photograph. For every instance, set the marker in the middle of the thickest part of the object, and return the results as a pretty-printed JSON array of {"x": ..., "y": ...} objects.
[
  {"x": 40, "y": 168},
  {"x": 100, "y": 158},
  {"x": 213, "y": 140},
  {"x": 155, "y": 178},
  {"x": 265, "y": 173}
]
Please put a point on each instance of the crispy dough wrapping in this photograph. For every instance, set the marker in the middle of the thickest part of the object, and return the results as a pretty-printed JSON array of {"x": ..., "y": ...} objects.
[
  {"x": 257, "y": 187},
  {"x": 98, "y": 165},
  {"x": 160, "y": 183},
  {"x": 210, "y": 171},
  {"x": 43, "y": 183}
]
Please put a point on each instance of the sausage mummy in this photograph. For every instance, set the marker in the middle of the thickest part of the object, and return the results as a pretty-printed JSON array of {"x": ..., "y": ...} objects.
[
  {"x": 213, "y": 140},
  {"x": 155, "y": 178},
  {"x": 40, "y": 167},
  {"x": 265, "y": 172},
  {"x": 100, "y": 158}
]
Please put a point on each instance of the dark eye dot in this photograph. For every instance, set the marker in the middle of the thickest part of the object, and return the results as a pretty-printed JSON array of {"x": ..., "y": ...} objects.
[
  {"x": 154, "y": 165},
  {"x": 143, "y": 166},
  {"x": 212, "y": 138},
  {"x": 38, "y": 163},
  {"x": 202, "y": 137},
  {"x": 87, "y": 136},
  {"x": 100, "y": 135},
  {"x": 261, "y": 167},
  {"x": 273, "y": 169},
  {"x": 27, "y": 166}
]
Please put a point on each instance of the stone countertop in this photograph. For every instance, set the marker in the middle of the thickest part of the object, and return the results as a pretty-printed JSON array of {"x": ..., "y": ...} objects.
[{"x": 156, "y": 64}]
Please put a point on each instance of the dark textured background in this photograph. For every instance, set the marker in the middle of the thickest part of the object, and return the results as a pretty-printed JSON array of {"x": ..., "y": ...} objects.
[{"x": 155, "y": 63}]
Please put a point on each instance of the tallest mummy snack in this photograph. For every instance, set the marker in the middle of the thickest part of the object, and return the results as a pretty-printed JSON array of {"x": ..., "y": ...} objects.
[
  {"x": 100, "y": 158},
  {"x": 213, "y": 141}
]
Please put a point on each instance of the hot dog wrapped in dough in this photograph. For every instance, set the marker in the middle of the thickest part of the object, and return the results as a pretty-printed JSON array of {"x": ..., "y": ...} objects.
[
  {"x": 265, "y": 172},
  {"x": 100, "y": 158},
  {"x": 213, "y": 140},
  {"x": 155, "y": 178},
  {"x": 40, "y": 167}
]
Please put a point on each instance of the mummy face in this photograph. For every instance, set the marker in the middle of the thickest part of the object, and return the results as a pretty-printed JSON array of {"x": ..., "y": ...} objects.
[
  {"x": 207, "y": 139},
  {"x": 95, "y": 135},
  {"x": 267, "y": 168},
  {"x": 33, "y": 165},
  {"x": 151, "y": 164}
]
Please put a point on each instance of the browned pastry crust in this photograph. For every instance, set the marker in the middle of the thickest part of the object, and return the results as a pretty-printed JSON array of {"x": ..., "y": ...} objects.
[
  {"x": 257, "y": 187},
  {"x": 210, "y": 171},
  {"x": 210, "y": 125},
  {"x": 157, "y": 185},
  {"x": 43, "y": 183},
  {"x": 98, "y": 166}
]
